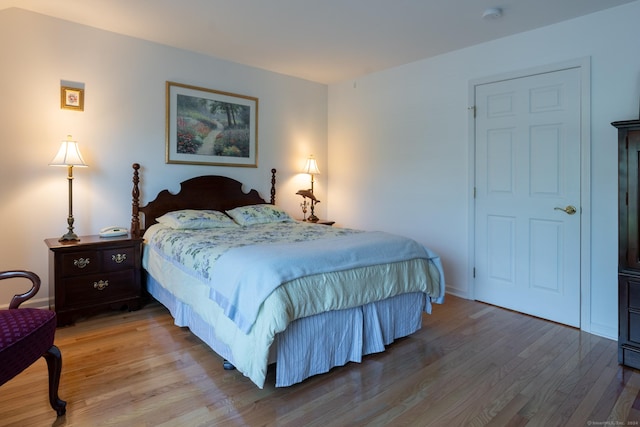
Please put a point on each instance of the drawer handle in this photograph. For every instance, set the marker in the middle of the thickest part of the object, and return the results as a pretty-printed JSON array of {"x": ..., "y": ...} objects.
[
  {"x": 119, "y": 258},
  {"x": 100, "y": 285},
  {"x": 81, "y": 262}
]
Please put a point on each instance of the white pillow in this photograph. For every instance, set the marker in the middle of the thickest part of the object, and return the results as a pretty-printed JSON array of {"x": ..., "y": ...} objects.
[
  {"x": 193, "y": 219},
  {"x": 258, "y": 214}
]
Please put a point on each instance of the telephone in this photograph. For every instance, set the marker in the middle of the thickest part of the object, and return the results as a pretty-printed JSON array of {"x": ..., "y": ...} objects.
[{"x": 113, "y": 231}]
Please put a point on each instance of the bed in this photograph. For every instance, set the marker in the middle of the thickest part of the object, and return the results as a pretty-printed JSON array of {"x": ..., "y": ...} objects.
[{"x": 259, "y": 287}]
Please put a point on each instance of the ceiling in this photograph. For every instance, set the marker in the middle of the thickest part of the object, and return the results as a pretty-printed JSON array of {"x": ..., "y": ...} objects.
[{"x": 325, "y": 41}]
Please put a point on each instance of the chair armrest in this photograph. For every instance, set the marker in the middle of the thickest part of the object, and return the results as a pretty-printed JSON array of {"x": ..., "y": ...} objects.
[{"x": 35, "y": 285}]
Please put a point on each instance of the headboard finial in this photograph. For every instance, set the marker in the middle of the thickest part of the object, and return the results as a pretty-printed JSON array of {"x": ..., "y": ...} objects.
[
  {"x": 135, "y": 204},
  {"x": 273, "y": 186}
]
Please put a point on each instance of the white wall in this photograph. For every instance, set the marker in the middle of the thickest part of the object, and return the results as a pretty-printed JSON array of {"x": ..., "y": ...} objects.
[
  {"x": 123, "y": 122},
  {"x": 399, "y": 144}
]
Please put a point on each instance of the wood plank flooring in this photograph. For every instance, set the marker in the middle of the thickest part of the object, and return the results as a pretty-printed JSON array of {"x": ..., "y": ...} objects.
[{"x": 470, "y": 365}]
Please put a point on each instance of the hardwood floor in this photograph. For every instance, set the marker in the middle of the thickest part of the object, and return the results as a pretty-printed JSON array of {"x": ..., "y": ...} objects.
[{"x": 470, "y": 365}]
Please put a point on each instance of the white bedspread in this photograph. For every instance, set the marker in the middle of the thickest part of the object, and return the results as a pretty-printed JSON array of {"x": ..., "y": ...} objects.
[
  {"x": 295, "y": 299},
  {"x": 257, "y": 270}
]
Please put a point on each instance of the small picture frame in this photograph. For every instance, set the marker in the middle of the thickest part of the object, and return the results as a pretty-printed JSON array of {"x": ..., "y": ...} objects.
[{"x": 72, "y": 98}]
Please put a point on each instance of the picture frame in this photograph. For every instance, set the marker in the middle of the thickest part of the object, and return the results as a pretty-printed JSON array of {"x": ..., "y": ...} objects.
[
  {"x": 71, "y": 98},
  {"x": 210, "y": 127}
]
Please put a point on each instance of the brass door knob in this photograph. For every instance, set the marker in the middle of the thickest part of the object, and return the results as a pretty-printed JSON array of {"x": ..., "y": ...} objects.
[{"x": 569, "y": 210}]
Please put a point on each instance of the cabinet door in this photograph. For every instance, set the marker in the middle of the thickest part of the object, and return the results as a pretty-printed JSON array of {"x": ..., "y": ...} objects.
[
  {"x": 629, "y": 249},
  {"x": 629, "y": 299},
  {"x": 629, "y": 318}
]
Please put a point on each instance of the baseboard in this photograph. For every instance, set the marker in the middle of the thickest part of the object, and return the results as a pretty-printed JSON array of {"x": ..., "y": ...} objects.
[
  {"x": 458, "y": 293},
  {"x": 603, "y": 331},
  {"x": 32, "y": 303}
]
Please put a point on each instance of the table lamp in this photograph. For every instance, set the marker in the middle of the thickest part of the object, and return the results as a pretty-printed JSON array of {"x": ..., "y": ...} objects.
[
  {"x": 69, "y": 156},
  {"x": 311, "y": 168}
]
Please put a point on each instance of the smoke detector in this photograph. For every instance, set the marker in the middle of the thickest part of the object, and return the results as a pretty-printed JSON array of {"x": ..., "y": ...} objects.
[{"x": 492, "y": 13}]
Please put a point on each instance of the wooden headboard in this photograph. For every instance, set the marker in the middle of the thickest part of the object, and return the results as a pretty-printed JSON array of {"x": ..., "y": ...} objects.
[{"x": 213, "y": 192}]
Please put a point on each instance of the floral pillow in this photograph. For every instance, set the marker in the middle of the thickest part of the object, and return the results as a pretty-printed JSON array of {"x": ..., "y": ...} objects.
[
  {"x": 258, "y": 214},
  {"x": 192, "y": 219}
]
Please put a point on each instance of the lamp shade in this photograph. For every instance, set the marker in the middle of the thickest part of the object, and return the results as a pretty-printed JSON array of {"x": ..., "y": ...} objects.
[
  {"x": 311, "y": 167},
  {"x": 68, "y": 155}
]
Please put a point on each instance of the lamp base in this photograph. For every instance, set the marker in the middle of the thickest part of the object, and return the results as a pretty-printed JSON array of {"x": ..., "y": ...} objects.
[
  {"x": 69, "y": 237},
  {"x": 313, "y": 217}
]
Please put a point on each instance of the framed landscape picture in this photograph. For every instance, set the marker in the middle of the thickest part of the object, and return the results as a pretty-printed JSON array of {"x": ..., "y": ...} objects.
[{"x": 210, "y": 127}]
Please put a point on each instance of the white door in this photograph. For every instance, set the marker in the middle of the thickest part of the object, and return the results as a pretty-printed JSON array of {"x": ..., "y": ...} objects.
[{"x": 527, "y": 242}]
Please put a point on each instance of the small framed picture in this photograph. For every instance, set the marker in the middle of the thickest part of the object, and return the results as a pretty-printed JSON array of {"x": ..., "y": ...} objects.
[{"x": 72, "y": 98}]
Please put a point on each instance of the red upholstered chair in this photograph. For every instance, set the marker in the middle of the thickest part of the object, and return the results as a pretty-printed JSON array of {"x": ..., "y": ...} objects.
[{"x": 26, "y": 334}]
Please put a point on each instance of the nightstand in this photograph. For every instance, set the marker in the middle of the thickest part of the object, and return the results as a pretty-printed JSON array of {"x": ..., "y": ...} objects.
[
  {"x": 320, "y": 221},
  {"x": 94, "y": 274}
]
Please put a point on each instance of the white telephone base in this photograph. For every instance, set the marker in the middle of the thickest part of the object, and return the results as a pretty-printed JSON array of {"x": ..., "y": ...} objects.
[{"x": 113, "y": 231}]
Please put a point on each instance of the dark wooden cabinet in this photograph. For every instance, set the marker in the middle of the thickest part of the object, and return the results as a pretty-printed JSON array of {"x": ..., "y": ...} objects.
[
  {"x": 94, "y": 274},
  {"x": 628, "y": 243}
]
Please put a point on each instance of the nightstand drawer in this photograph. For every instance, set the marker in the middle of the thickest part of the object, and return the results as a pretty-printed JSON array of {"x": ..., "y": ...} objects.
[
  {"x": 118, "y": 258},
  {"x": 81, "y": 262},
  {"x": 83, "y": 291}
]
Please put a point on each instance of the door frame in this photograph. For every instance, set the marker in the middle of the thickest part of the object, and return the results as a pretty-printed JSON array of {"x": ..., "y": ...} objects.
[{"x": 584, "y": 64}]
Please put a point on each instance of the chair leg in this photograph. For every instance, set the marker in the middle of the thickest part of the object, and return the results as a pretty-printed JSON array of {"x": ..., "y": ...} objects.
[{"x": 54, "y": 363}]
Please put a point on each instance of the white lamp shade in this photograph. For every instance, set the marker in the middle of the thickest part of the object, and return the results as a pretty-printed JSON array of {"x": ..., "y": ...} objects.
[
  {"x": 68, "y": 155},
  {"x": 311, "y": 167}
]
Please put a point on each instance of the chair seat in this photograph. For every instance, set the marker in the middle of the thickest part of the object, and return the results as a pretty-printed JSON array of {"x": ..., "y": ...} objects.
[{"x": 26, "y": 334}]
